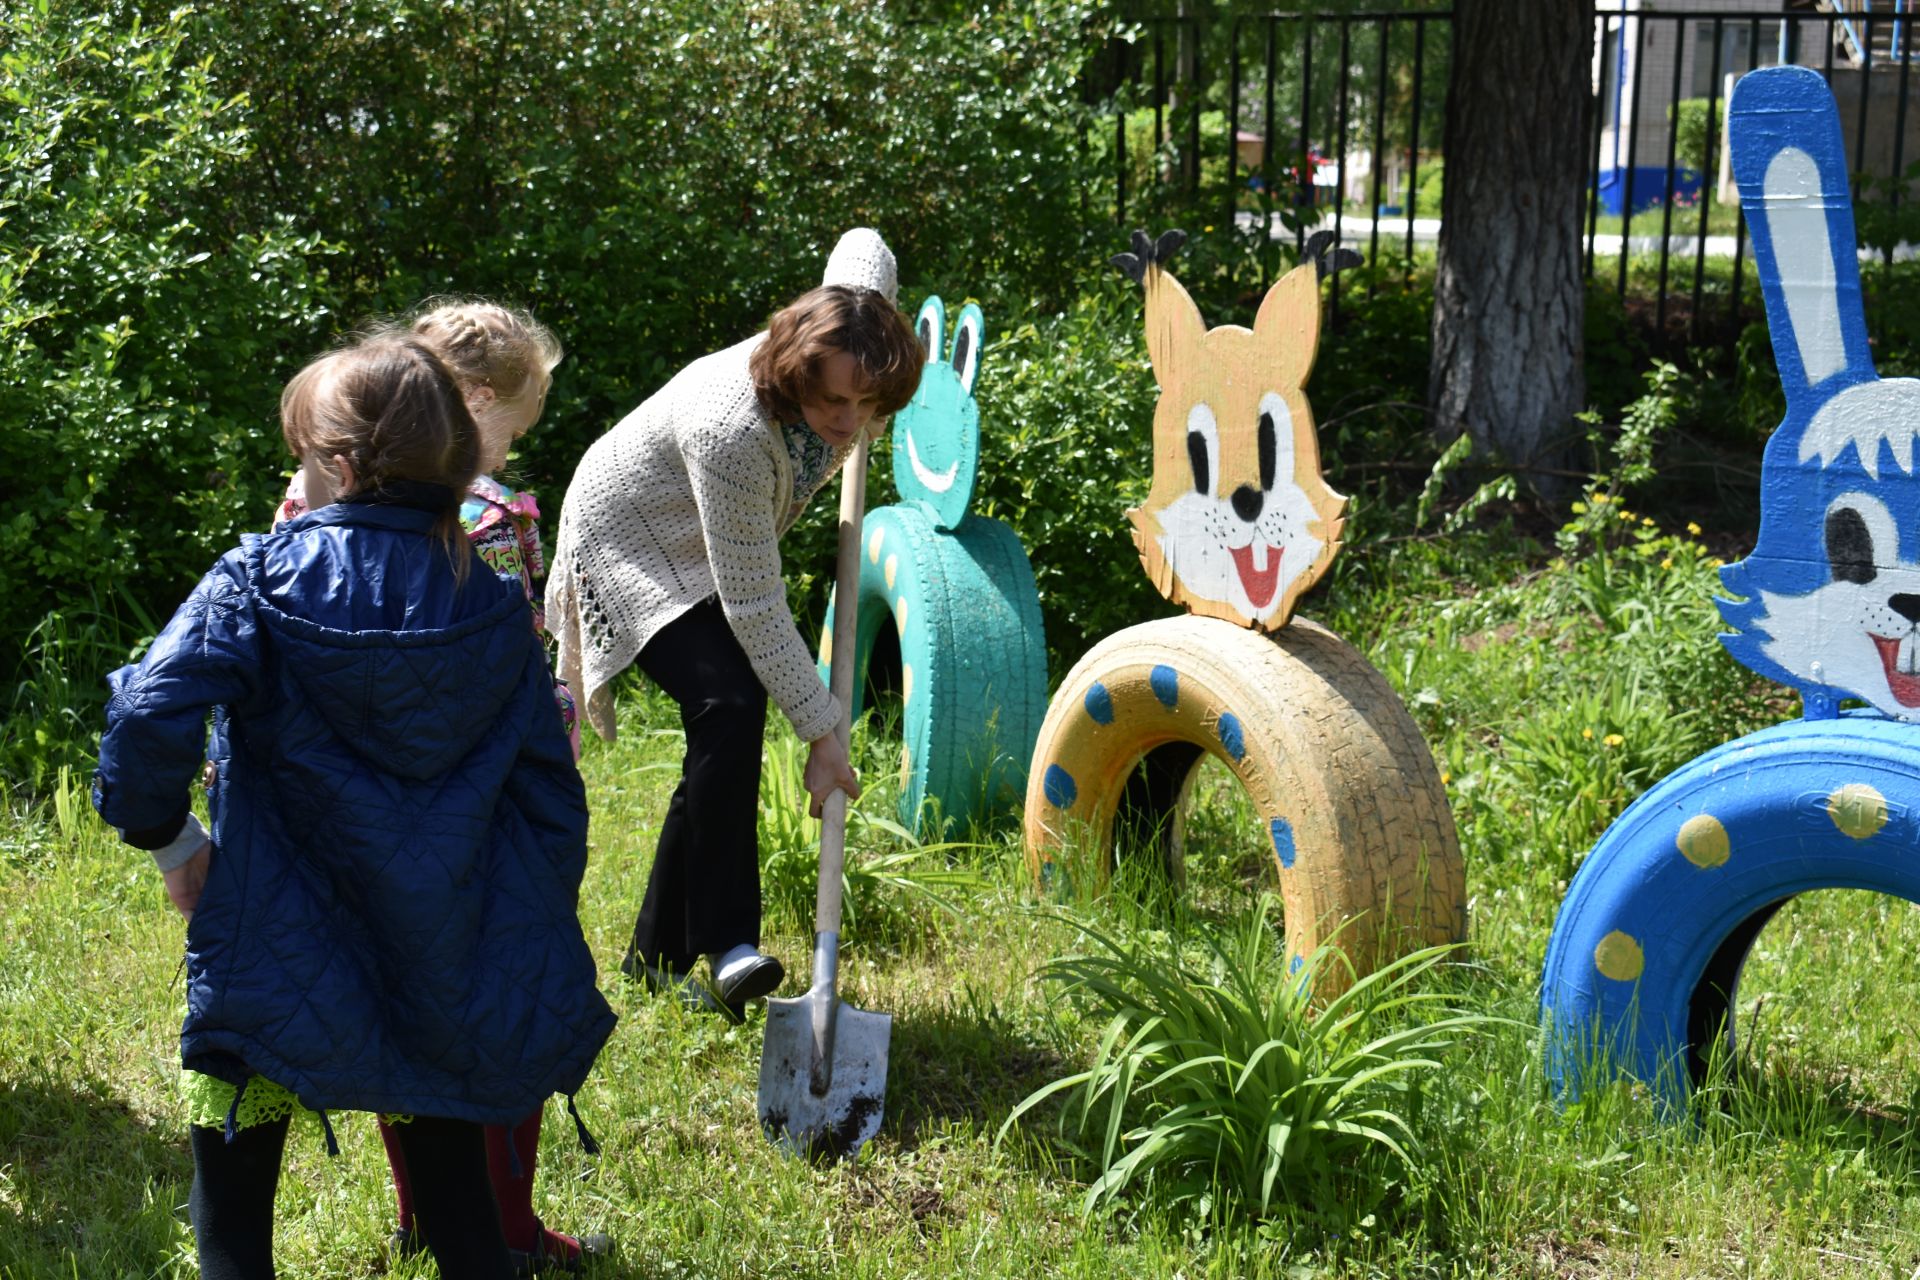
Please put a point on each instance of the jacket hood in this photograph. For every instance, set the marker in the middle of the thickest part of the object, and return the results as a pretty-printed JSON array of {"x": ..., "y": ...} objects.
[{"x": 427, "y": 670}]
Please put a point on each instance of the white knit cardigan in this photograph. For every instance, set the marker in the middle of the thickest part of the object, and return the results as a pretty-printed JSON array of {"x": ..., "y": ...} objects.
[{"x": 685, "y": 498}]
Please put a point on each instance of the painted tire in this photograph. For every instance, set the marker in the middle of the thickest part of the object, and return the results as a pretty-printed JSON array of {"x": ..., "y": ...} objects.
[
  {"x": 971, "y": 664},
  {"x": 1644, "y": 960},
  {"x": 1349, "y": 793}
]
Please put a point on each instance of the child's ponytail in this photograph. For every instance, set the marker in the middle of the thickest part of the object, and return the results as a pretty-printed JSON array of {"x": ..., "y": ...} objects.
[{"x": 390, "y": 406}]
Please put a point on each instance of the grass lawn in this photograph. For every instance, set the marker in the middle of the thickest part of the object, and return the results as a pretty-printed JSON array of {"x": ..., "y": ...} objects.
[{"x": 1550, "y": 695}]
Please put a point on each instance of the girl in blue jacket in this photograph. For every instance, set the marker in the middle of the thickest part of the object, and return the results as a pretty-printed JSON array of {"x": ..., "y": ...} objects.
[{"x": 383, "y": 916}]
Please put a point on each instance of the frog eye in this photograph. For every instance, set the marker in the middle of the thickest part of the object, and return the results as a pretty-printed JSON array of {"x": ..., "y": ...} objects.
[
  {"x": 968, "y": 333},
  {"x": 932, "y": 326}
]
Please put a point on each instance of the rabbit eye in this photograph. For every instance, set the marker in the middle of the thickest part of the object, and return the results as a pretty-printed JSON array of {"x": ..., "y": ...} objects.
[{"x": 1850, "y": 546}]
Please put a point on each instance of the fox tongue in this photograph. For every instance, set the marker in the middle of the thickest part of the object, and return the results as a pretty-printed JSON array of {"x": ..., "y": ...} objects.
[
  {"x": 1259, "y": 583},
  {"x": 1905, "y": 688}
]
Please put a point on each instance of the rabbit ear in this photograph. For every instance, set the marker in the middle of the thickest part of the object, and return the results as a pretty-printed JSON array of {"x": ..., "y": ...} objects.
[
  {"x": 1791, "y": 165},
  {"x": 969, "y": 331},
  {"x": 931, "y": 327}
]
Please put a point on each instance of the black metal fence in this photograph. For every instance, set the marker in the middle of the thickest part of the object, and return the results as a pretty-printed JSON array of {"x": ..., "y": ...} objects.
[{"x": 1285, "y": 123}]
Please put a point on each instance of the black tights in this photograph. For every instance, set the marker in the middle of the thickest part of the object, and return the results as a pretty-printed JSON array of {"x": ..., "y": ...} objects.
[{"x": 233, "y": 1186}]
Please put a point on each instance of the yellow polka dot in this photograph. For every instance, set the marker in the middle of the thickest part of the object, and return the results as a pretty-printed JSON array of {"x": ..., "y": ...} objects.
[
  {"x": 1703, "y": 841},
  {"x": 1858, "y": 810},
  {"x": 826, "y": 645},
  {"x": 900, "y": 616},
  {"x": 906, "y": 683},
  {"x": 1619, "y": 957},
  {"x": 873, "y": 545},
  {"x": 893, "y": 567}
]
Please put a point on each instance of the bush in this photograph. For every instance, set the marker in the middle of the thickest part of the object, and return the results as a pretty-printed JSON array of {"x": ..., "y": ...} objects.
[
  {"x": 191, "y": 204},
  {"x": 1222, "y": 1076},
  {"x": 142, "y": 340}
]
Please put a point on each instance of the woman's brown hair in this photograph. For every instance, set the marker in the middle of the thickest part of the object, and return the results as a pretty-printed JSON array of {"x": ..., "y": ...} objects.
[
  {"x": 820, "y": 323},
  {"x": 390, "y": 406}
]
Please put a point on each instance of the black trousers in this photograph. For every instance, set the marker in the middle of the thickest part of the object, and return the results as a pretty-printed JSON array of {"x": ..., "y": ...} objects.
[
  {"x": 233, "y": 1184},
  {"x": 704, "y": 894}
]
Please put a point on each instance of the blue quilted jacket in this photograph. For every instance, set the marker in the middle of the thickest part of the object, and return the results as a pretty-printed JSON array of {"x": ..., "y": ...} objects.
[{"x": 389, "y": 921}]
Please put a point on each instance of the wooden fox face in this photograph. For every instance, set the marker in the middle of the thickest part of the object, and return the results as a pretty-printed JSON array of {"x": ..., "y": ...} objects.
[{"x": 1238, "y": 522}]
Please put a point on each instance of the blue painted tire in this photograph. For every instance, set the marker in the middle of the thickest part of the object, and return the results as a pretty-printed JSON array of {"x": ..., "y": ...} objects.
[
  {"x": 972, "y": 660},
  {"x": 1344, "y": 786},
  {"x": 1644, "y": 960}
]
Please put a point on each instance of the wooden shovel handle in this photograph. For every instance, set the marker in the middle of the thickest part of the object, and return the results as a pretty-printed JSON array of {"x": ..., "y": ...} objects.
[{"x": 846, "y": 604}]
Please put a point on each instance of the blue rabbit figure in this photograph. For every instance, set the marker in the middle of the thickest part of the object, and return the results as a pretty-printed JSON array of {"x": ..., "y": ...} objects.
[
  {"x": 1832, "y": 590},
  {"x": 1643, "y": 968}
]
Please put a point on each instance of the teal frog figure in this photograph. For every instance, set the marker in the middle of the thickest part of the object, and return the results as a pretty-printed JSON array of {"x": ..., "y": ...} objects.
[{"x": 948, "y": 615}]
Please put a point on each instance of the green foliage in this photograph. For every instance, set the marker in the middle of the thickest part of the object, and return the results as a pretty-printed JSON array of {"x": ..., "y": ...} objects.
[
  {"x": 654, "y": 179},
  {"x": 142, "y": 336},
  {"x": 887, "y": 871},
  {"x": 1066, "y": 421},
  {"x": 1431, "y": 188},
  {"x": 1221, "y": 1075},
  {"x": 1692, "y": 121}
]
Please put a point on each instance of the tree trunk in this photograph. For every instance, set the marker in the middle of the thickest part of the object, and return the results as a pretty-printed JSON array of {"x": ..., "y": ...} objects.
[{"x": 1508, "y": 303}]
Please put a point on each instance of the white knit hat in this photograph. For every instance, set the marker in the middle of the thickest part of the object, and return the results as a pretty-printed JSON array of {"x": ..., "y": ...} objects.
[{"x": 862, "y": 261}]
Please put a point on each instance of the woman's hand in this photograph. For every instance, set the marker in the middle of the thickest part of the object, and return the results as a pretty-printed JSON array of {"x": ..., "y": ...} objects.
[
  {"x": 185, "y": 881},
  {"x": 829, "y": 770}
]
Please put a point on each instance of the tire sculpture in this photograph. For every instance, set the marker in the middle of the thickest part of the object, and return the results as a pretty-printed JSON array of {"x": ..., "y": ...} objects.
[
  {"x": 1645, "y": 957},
  {"x": 1317, "y": 737},
  {"x": 947, "y": 601},
  {"x": 1237, "y": 524},
  {"x": 1643, "y": 966}
]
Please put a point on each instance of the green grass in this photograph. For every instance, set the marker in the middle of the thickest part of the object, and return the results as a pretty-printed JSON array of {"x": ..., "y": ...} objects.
[{"x": 1805, "y": 1162}]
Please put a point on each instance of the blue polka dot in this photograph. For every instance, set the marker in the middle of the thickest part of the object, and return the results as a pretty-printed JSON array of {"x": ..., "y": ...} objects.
[
  {"x": 1099, "y": 703},
  {"x": 1060, "y": 788},
  {"x": 1166, "y": 684},
  {"x": 1230, "y": 736},
  {"x": 1295, "y": 965},
  {"x": 1282, "y": 832}
]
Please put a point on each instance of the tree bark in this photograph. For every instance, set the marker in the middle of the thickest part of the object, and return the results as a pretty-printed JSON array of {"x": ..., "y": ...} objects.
[{"x": 1509, "y": 300}]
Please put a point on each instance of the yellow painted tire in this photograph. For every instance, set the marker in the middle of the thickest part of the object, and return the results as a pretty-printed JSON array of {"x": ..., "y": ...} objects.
[{"x": 1347, "y": 791}]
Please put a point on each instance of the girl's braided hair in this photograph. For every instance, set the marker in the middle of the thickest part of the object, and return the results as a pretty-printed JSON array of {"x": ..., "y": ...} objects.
[
  {"x": 392, "y": 408},
  {"x": 486, "y": 344}
]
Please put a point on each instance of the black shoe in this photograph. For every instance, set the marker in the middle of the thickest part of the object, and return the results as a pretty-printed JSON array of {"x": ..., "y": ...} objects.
[
  {"x": 405, "y": 1243},
  {"x": 760, "y": 976},
  {"x": 540, "y": 1262}
]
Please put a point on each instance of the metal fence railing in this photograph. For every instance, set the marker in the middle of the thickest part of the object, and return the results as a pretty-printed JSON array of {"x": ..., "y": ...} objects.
[{"x": 1282, "y": 122}]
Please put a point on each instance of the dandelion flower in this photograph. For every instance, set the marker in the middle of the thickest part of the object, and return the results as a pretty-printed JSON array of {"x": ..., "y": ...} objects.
[
  {"x": 1667, "y": 563},
  {"x": 1626, "y": 516},
  {"x": 1445, "y": 778},
  {"x": 1600, "y": 499},
  {"x": 1693, "y": 528},
  {"x": 1613, "y": 739},
  {"x": 1587, "y": 733},
  {"x": 1716, "y": 562},
  {"x": 1647, "y": 521}
]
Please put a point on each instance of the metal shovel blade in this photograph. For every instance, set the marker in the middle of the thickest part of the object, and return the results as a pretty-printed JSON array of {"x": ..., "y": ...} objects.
[{"x": 832, "y": 1124}]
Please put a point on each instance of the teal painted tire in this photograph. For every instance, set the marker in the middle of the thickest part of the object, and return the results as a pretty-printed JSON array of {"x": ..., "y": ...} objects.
[{"x": 972, "y": 669}]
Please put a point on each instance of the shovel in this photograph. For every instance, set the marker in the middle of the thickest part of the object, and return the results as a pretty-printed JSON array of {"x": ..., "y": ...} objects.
[{"x": 823, "y": 1070}]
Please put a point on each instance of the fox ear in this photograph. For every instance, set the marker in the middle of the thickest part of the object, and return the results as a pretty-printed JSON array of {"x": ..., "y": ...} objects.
[
  {"x": 1174, "y": 326},
  {"x": 1288, "y": 326}
]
